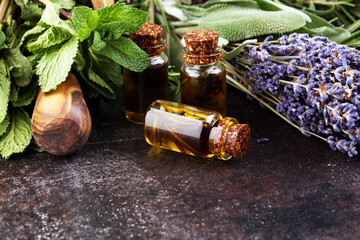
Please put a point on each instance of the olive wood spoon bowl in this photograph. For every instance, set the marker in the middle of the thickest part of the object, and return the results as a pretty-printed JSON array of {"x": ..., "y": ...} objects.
[{"x": 61, "y": 122}]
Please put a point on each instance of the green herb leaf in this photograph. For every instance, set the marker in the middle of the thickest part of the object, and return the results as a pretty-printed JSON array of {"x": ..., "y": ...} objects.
[
  {"x": 4, "y": 124},
  {"x": 236, "y": 51},
  {"x": 30, "y": 10},
  {"x": 51, "y": 37},
  {"x": 65, "y": 4},
  {"x": 55, "y": 64},
  {"x": 37, "y": 30},
  {"x": 122, "y": 51},
  {"x": 107, "y": 69},
  {"x": 85, "y": 20},
  {"x": 319, "y": 26},
  {"x": 25, "y": 95},
  {"x": 235, "y": 22},
  {"x": 50, "y": 17},
  {"x": 2, "y": 39},
  {"x": 18, "y": 134},
  {"x": 131, "y": 17},
  {"x": 4, "y": 89},
  {"x": 111, "y": 30},
  {"x": 20, "y": 67},
  {"x": 100, "y": 85}
]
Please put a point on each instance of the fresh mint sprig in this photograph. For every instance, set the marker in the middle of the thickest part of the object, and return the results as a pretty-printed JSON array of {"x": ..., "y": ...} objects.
[{"x": 97, "y": 33}]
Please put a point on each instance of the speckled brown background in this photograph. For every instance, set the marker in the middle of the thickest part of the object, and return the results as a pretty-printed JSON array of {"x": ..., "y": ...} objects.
[{"x": 117, "y": 186}]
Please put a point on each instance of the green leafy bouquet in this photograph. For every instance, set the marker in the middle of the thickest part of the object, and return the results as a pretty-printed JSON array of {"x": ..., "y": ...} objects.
[{"x": 44, "y": 48}]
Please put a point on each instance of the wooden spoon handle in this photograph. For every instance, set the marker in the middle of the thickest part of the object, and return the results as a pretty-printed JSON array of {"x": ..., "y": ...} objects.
[{"x": 97, "y": 4}]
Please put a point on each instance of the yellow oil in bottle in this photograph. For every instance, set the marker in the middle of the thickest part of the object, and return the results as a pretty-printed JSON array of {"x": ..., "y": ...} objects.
[{"x": 180, "y": 128}]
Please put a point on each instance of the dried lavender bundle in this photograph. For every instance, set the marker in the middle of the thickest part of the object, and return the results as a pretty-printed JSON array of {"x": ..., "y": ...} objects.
[{"x": 313, "y": 82}]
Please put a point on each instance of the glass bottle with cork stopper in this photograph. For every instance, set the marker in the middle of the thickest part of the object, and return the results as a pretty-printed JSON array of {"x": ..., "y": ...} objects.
[
  {"x": 142, "y": 88},
  {"x": 195, "y": 131},
  {"x": 203, "y": 76}
]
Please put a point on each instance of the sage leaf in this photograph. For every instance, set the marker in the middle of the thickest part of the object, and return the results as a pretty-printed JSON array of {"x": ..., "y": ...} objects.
[
  {"x": 18, "y": 134},
  {"x": 236, "y": 51},
  {"x": 319, "y": 26},
  {"x": 235, "y": 22},
  {"x": 56, "y": 63}
]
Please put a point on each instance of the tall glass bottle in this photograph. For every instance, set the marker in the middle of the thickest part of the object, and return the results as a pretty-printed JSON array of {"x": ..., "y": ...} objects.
[
  {"x": 142, "y": 88},
  {"x": 195, "y": 131},
  {"x": 203, "y": 76}
]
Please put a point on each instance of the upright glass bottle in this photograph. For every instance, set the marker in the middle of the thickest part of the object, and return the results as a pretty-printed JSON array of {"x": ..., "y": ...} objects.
[
  {"x": 195, "y": 131},
  {"x": 142, "y": 88},
  {"x": 203, "y": 76}
]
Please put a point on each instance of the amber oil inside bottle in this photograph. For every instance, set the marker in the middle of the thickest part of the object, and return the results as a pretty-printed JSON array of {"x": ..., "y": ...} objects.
[
  {"x": 204, "y": 86},
  {"x": 203, "y": 76},
  {"x": 180, "y": 128},
  {"x": 142, "y": 88},
  {"x": 195, "y": 131}
]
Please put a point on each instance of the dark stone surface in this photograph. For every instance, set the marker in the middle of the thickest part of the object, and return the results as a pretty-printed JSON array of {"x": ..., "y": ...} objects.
[{"x": 117, "y": 186}]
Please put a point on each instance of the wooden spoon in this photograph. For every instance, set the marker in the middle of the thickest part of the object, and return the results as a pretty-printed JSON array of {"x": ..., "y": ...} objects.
[{"x": 61, "y": 121}]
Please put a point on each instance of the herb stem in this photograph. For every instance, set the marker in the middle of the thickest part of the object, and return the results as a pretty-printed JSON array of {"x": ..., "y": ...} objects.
[
  {"x": 151, "y": 15},
  {"x": 3, "y": 7},
  {"x": 62, "y": 11},
  {"x": 245, "y": 90}
]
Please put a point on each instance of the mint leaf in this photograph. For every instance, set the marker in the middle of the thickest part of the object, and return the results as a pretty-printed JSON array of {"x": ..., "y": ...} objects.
[
  {"x": 100, "y": 85},
  {"x": 131, "y": 17},
  {"x": 55, "y": 64},
  {"x": 122, "y": 51},
  {"x": 64, "y": 4},
  {"x": 85, "y": 20},
  {"x": 50, "y": 17},
  {"x": 20, "y": 67},
  {"x": 111, "y": 30},
  {"x": 2, "y": 39},
  {"x": 4, "y": 124},
  {"x": 107, "y": 69},
  {"x": 30, "y": 10},
  {"x": 4, "y": 89},
  {"x": 25, "y": 95},
  {"x": 18, "y": 134},
  {"x": 51, "y": 37},
  {"x": 34, "y": 31}
]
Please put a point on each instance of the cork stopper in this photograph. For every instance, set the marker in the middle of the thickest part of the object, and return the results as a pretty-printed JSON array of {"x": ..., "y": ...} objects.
[
  {"x": 233, "y": 138},
  {"x": 201, "y": 42},
  {"x": 148, "y": 38},
  {"x": 201, "y": 47}
]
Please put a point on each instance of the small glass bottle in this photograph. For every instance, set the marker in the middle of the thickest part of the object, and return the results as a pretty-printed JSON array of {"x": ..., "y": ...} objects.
[
  {"x": 142, "y": 88},
  {"x": 195, "y": 131},
  {"x": 203, "y": 76}
]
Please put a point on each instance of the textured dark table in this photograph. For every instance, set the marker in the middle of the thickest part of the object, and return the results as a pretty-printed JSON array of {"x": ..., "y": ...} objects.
[{"x": 117, "y": 186}]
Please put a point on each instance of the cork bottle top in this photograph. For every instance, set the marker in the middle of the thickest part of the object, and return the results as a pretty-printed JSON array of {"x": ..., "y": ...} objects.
[
  {"x": 201, "y": 42},
  {"x": 148, "y": 38},
  {"x": 201, "y": 47},
  {"x": 233, "y": 138}
]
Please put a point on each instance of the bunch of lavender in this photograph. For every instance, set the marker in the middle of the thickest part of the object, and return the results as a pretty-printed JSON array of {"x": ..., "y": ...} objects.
[{"x": 310, "y": 82}]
